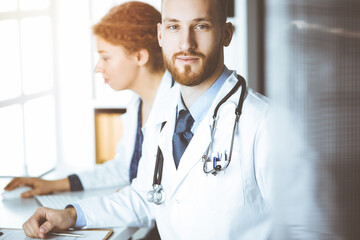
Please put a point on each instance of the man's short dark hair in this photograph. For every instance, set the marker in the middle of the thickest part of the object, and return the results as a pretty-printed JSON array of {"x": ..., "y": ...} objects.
[{"x": 223, "y": 6}]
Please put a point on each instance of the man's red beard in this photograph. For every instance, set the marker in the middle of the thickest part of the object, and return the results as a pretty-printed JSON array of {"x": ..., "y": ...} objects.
[{"x": 187, "y": 77}]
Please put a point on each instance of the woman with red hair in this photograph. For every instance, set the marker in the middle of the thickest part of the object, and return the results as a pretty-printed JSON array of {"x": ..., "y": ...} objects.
[{"x": 129, "y": 58}]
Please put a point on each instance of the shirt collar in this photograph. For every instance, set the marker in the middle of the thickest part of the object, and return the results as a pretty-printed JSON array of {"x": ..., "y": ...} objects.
[{"x": 200, "y": 107}]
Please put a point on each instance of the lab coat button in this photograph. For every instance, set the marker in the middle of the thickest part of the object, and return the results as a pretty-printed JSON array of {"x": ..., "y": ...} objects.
[{"x": 177, "y": 201}]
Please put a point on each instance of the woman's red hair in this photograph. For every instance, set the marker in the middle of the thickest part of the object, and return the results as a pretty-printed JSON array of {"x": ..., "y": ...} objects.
[{"x": 133, "y": 25}]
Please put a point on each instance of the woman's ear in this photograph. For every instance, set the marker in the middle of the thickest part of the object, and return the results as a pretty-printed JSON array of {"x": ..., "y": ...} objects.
[
  {"x": 142, "y": 56},
  {"x": 228, "y": 33},
  {"x": 159, "y": 28}
]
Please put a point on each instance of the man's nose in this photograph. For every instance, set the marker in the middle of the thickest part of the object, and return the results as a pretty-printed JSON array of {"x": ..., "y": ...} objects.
[{"x": 188, "y": 41}]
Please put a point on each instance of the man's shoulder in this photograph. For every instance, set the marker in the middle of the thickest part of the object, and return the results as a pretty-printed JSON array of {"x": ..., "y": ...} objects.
[
  {"x": 257, "y": 99},
  {"x": 256, "y": 103}
]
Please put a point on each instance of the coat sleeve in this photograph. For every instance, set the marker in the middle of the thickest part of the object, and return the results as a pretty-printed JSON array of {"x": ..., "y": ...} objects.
[
  {"x": 127, "y": 208},
  {"x": 262, "y": 159}
]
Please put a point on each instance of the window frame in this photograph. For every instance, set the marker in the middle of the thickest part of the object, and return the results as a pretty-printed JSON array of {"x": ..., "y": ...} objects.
[{"x": 23, "y": 98}]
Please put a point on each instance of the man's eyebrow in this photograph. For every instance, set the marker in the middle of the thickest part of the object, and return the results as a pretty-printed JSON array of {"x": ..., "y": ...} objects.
[
  {"x": 203, "y": 19},
  {"x": 170, "y": 20},
  {"x": 194, "y": 20}
]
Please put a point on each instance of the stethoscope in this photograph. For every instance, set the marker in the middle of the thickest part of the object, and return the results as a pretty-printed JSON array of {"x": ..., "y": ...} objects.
[{"x": 157, "y": 194}]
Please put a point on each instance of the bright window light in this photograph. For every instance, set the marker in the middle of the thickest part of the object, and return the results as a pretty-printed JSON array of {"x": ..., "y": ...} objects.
[
  {"x": 37, "y": 55},
  {"x": 8, "y": 5},
  {"x": 40, "y": 135},
  {"x": 34, "y": 4},
  {"x": 11, "y": 141},
  {"x": 10, "y": 77}
]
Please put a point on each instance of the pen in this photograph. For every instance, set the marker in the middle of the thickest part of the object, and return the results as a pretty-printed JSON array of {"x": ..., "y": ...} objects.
[{"x": 64, "y": 234}]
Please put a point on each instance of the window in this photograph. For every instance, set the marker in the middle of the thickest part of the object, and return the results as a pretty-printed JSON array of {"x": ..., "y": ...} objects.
[{"x": 27, "y": 94}]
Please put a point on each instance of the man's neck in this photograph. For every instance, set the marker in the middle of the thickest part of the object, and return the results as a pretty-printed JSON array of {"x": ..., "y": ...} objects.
[{"x": 191, "y": 94}]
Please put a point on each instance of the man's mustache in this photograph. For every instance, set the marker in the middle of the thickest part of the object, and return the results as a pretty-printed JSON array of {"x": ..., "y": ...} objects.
[{"x": 188, "y": 54}]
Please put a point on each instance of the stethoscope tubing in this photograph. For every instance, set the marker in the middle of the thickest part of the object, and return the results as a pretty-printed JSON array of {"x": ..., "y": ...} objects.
[
  {"x": 238, "y": 110},
  {"x": 157, "y": 187},
  {"x": 159, "y": 164}
]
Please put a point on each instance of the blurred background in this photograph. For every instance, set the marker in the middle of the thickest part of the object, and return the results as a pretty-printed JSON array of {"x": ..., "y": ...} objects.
[
  {"x": 303, "y": 54},
  {"x": 312, "y": 70}
]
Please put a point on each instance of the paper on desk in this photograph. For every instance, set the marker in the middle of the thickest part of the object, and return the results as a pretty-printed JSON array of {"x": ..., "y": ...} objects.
[{"x": 18, "y": 234}]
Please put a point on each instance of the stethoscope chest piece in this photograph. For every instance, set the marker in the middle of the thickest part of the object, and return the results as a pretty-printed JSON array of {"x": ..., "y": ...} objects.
[{"x": 157, "y": 195}]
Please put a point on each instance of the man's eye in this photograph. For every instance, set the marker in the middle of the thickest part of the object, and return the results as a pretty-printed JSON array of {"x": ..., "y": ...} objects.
[
  {"x": 172, "y": 27},
  {"x": 202, "y": 27}
]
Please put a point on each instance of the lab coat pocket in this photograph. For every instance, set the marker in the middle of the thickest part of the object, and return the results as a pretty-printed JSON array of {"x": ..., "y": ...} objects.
[{"x": 223, "y": 192}]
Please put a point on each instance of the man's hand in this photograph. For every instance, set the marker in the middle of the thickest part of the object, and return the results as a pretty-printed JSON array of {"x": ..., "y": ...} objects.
[
  {"x": 38, "y": 185},
  {"x": 46, "y": 219}
]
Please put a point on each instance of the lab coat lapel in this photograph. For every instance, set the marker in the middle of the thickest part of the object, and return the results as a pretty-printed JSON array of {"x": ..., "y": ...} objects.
[
  {"x": 165, "y": 140},
  {"x": 172, "y": 177},
  {"x": 167, "y": 100},
  {"x": 194, "y": 152},
  {"x": 164, "y": 111}
]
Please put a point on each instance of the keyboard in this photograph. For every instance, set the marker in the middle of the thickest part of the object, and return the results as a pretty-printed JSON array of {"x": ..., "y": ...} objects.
[
  {"x": 56, "y": 201},
  {"x": 61, "y": 200}
]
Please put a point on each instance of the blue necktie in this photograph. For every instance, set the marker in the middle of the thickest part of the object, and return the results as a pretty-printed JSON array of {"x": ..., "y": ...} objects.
[
  {"x": 137, "y": 149},
  {"x": 182, "y": 135}
]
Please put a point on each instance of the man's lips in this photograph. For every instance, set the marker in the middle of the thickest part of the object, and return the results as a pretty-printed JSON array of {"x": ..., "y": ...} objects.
[{"x": 187, "y": 59}]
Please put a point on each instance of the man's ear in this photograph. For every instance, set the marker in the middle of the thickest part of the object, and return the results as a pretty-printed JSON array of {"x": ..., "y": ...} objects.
[
  {"x": 228, "y": 33},
  {"x": 159, "y": 34},
  {"x": 142, "y": 56}
]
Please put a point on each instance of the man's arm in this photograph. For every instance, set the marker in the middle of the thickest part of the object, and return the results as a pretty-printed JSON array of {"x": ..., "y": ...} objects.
[
  {"x": 46, "y": 219},
  {"x": 126, "y": 208},
  {"x": 263, "y": 158}
]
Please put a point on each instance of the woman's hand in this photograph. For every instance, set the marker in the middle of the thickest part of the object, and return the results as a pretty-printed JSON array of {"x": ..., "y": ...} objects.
[{"x": 39, "y": 186}]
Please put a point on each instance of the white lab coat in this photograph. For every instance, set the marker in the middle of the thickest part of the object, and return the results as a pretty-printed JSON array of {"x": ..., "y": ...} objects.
[
  {"x": 231, "y": 205},
  {"x": 116, "y": 171}
]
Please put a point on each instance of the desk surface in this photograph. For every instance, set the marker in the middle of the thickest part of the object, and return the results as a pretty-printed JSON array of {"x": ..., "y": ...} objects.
[{"x": 14, "y": 212}]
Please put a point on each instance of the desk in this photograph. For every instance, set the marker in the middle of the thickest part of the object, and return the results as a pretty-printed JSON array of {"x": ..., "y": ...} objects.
[{"x": 14, "y": 212}]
